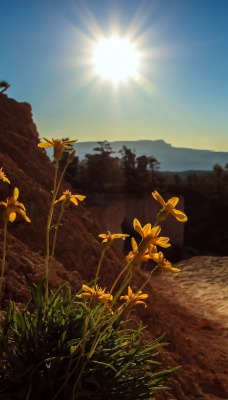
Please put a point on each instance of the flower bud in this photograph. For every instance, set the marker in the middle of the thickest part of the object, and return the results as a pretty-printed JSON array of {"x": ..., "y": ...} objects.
[
  {"x": 162, "y": 216},
  {"x": 70, "y": 158}
]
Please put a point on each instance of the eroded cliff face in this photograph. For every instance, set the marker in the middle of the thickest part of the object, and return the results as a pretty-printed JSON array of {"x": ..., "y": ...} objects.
[
  {"x": 29, "y": 169},
  {"x": 16, "y": 118}
]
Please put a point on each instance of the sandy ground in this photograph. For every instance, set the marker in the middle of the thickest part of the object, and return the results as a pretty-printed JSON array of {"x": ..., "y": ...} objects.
[
  {"x": 201, "y": 286},
  {"x": 191, "y": 308}
]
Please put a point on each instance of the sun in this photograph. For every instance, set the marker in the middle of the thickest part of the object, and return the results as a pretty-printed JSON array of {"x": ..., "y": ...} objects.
[{"x": 115, "y": 59}]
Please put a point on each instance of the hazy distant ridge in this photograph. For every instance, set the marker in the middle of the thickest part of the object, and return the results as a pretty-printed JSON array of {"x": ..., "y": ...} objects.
[{"x": 171, "y": 158}]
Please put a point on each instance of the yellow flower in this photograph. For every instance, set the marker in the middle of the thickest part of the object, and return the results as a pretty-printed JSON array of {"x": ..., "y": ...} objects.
[
  {"x": 134, "y": 254},
  {"x": 58, "y": 145},
  {"x": 3, "y": 176},
  {"x": 67, "y": 197},
  {"x": 162, "y": 262},
  {"x": 12, "y": 207},
  {"x": 145, "y": 230},
  {"x": 152, "y": 249},
  {"x": 136, "y": 298},
  {"x": 96, "y": 294},
  {"x": 169, "y": 208},
  {"x": 109, "y": 237},
  {"x": 150, "y": 234}
]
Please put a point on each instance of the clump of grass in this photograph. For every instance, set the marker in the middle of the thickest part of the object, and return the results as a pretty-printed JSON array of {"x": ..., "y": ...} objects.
[
  {"x": 68, "y": 349},
  {"x": 81, "y": 346}
]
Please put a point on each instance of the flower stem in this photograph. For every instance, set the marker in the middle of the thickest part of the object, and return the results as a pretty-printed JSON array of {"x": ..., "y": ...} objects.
[
  {"x": 49, "y": 220},
  {"x": 122, "y": 287},
  {"x": 100, "y": 263},
  {"x": 56, "y": 234},
  {"x": 60, "y": 180},
  {"x": 119, "y": 276},
  {"x": 148, "y": 279},
  {"x": 48, "y": 258}
]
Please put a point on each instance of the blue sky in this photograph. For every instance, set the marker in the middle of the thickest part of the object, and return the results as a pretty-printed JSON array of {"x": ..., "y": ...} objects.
[{"x": 182, "y": 94}]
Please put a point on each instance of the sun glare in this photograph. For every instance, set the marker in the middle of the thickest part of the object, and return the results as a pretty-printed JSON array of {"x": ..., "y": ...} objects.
[{"x": 115, "y": 59}]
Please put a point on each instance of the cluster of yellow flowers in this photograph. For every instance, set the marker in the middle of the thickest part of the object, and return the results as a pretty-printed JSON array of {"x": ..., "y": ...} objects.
[
  {"x": 142, "y": 252},
  {"x": 98, "y": 294},
  {"x": 147, "y": 249},
  {"x": 12, "y": 206}
]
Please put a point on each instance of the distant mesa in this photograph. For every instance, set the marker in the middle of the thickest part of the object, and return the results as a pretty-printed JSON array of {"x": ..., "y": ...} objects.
[{"x": 173, "y": 159}]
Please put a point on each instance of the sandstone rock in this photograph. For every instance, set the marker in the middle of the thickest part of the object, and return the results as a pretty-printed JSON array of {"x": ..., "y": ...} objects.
[{"x": 29, "y": 169}]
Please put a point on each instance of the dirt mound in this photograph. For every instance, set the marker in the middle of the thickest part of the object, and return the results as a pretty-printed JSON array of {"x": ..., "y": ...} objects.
[{"x": 199, "y": 345}]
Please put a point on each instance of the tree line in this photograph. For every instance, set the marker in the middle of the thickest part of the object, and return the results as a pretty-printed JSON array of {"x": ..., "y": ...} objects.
[
  {"x": 205, "y": 193},
  {"x": 106, "y": 171}
]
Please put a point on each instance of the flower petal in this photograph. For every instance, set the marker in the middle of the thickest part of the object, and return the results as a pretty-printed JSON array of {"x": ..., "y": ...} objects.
[
  {"x": 23, "y": 214},
  {"x": 88, "y": 289},
  {"x": 103, "y": 235},
  {"x": 146, "y": 229},
  {"x": 60, "y": 199},
  {"x": 106, "y": 296},
  {"x": 84, "y": 295},
  {"x": 143, "y": 296},
  {"x": 74, "y": 201},
  {"x": 129, "y": 291},
  {"x": 70, "y": 141},
  {"x": 173, "y": 269},
  {"x": 43, "y": 145},
  {"x": 138, "y": 227},
  {"x": 161, "y": 241},
  {"x": 79, "y": 197},
  {"x": 11, "y": 215},
  {"x": 119, "y": 236},
  {"x": 155, "y": 231},
  {"x": 49, "y": 141},
  {"x": 173, "y": 201},
  {"x": 179, "y": 215},
  {"x": 158, "y": 197},
  {"x": 15, "y": 193},
  {"x": 124, "y": 297},
  {"x": 22, "y": 206},
  {"x": 134, "y": 245}
]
